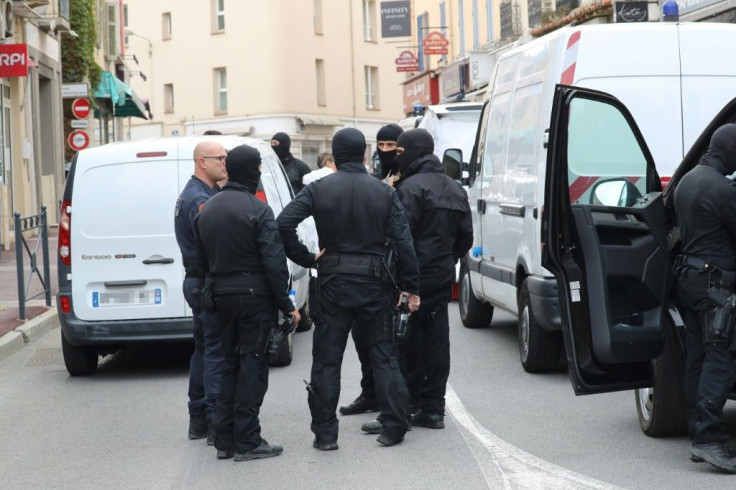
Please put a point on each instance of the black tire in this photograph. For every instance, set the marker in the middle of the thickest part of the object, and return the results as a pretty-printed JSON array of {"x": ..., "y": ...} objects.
[
  {"x": 284, "y": 355},
  {"x": 661, "y": 409},
  {"x": 305, "y": 324},
  {"x": 539, "y": 350},
  {"x": 80, "y": 360},
  {"x": 473, "y": 312}
]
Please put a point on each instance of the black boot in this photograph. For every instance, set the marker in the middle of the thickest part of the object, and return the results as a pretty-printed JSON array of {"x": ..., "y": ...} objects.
[
  {"x": 197, "y": 427},
  {"x": 388, "y": 438},
  {"x": 264, "y": 450},
  {"x": 715, "y": 454},
  {"x": 324, "y": 446},
  {"x": 360, "y": 405},
  {"x": 429, "y": 420}
]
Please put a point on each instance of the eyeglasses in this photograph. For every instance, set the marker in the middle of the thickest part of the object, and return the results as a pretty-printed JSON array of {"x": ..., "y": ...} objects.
[{"x": 218, "y": 157}]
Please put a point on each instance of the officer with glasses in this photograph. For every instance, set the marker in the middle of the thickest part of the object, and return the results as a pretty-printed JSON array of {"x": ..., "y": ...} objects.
[{"x": 206, "y": 362}]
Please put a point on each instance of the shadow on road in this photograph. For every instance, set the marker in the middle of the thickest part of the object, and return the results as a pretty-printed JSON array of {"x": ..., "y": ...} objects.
[{"x": 147, "y": 360}]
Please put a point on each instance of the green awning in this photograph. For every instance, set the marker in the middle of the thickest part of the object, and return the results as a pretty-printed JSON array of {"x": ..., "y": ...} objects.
[{"x": 115, "y": 98}]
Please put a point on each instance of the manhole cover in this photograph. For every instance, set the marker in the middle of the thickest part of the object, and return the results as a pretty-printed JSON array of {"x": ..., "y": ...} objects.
[{"x": 45, "y": 357}]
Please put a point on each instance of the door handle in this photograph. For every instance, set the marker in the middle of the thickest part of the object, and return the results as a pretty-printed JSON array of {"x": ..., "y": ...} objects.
[
  {"x": 165, "y": 260},
  {"x": 481, "y": 206},
  {"x": 124, "y": 284}
]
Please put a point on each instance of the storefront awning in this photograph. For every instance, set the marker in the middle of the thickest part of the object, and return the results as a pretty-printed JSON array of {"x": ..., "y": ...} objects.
[
  {"x": 115, "y": 98},
  {"x": 319, "y": 120}
]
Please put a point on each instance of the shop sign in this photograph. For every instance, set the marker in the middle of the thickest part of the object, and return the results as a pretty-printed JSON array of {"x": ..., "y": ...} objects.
[
  {"x": 395, "y": 19},
  {"x": 422, "y": 91},
  {"x": 407, "y": 61},
  {"x": 13, "y": 60},
  {"x": 631, "y": 11},
  {"x": 435, "y": 43},
  {"x": 451, "y": 80},
  {"x": 480, "y": 66}
]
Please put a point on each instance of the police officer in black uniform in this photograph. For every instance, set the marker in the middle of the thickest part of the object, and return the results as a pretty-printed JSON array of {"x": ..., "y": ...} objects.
[
  {"x": 366, "y": 402},
  {"x": 240, "y": 246},
  {"x": 438, "y": 213},
  {"x": 705, "y": 203},
  {"x": 355, "y": 215},
  {"x": 295, "y": 168},
  {"x": 206, "y": 362}
]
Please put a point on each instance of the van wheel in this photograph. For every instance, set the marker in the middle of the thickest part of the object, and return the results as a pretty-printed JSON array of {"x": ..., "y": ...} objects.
[
  {"x": 284, "y": 355},
  {"x": 661, "y": 409},
  {"x": 80, "y": 360},
  {"x": 539, "y": 350},
  {"x": 473, "y": 313},
  {"x": 305, "y": 324}
]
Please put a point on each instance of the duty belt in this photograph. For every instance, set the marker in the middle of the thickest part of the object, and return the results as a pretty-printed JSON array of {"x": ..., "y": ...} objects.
[
  {"x": 718, "y": 277},
  {"x": 355, "y": 264}
]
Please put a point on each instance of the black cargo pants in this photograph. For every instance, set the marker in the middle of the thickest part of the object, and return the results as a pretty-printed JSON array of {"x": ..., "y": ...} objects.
[
  {"x": 363, "y": 303},
  {"x": 244, "y": 321},
  {"x": 709, "y": 366},
  {"x": 427, "y": 351}
]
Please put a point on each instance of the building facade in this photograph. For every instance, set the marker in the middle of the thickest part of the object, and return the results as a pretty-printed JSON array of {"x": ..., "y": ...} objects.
[
  {"x": 256, "y": 68},
  {"x": 31, "y": 133}
]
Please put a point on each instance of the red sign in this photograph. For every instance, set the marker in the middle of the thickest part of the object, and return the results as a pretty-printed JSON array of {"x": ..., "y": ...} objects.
[
  {"x": 80, "y": 108},
  {"x": 435, "y": 43},
  {"x": 407, "y": 62},
  {"x": 13, "y": 60},
  {"x": 421, "y": 90},
  {"x": 78, "y": 140}
]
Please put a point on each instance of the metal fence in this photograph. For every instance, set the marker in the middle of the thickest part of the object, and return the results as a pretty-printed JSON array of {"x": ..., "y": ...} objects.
[{"x": 23, "y": 225}]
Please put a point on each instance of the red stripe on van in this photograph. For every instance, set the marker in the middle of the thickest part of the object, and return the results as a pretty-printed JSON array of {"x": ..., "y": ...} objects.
[
  {"x": 575, "y": 37},
  {"x": 568, "y": 76}
]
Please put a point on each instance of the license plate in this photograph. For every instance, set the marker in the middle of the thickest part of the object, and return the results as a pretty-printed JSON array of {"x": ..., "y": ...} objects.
[{"x": 126, "y": 298}]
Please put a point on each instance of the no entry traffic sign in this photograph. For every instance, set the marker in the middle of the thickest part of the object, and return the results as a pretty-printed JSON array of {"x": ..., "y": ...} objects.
[
  {"x": 78, "y": 140},
  {"x": 80, "y": 108}
]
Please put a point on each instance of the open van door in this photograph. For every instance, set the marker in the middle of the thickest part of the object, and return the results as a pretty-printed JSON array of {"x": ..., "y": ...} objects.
[{"x": 603, "y": 227}]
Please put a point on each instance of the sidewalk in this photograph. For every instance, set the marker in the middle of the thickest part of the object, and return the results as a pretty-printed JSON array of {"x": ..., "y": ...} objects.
[{"x": 9, "y": 310}]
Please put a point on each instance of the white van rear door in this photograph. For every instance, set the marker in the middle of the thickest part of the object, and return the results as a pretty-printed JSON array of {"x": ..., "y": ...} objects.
[{"x": 125, "y": 261}]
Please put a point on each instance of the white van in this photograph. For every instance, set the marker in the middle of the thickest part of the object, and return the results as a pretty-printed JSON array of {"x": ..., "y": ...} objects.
[
  {"x": 674, "y": 78},
  {"x": 452, "y": 125},
  {"x": 120, "y": 271}
]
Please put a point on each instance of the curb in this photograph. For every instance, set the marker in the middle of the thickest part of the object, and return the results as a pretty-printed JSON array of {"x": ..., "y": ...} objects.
[{"x": 31, "y": 331}]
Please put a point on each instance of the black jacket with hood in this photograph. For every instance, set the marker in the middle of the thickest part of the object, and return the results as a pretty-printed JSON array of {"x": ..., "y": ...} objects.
[
  {"x": 705, "y": 203},
  {"x": 437, "y": 210}
]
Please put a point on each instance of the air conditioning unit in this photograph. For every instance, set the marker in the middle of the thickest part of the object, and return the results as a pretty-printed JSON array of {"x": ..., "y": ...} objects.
[{"x": 7, "y": 19}]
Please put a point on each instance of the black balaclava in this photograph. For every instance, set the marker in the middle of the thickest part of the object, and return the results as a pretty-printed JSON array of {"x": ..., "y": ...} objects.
[
  {"x": 348, "y": 145},
  {"x": 243, "y": 166},
  {"x": 390, "y": 132},
  {"x": 721, "y": 153},
  {"x": 416, "y": 144},
  {"x": 283, "y": 150}
]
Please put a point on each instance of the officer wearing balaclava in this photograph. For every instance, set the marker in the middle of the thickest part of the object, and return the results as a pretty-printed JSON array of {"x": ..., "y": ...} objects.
[
  {"x": 295, "y": 168},
  {"x": 705, "y": 204},
  {"x": 366, "y": 402},
  {"x": 355, "y": 214},
  {"x": 439, "y": 218},
  {"x": 240, "y": 247},
  {"x": 386, "y": 139}
]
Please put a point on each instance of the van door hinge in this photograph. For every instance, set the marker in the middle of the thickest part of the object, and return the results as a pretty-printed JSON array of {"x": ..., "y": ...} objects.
[{"x": 545, "y": 139}]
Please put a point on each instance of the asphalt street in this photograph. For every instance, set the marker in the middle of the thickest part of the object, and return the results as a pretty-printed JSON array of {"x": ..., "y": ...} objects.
[{"x": 126, "y": 428}]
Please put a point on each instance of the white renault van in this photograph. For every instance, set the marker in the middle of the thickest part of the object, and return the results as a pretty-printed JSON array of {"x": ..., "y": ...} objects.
[
  {"x": 119, "y": 268},
  {"x": 674, "y": 79}
]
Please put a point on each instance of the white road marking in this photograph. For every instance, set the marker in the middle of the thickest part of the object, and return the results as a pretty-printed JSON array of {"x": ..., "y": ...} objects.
[{"x": 508, "y": 466}]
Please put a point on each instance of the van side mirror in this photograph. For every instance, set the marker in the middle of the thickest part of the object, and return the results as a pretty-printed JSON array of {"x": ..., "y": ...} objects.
[{"x": 452, "y": 160}]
